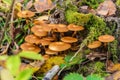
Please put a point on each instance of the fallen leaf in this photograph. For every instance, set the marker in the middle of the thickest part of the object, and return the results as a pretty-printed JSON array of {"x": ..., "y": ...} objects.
[
  {"x": 111, "y": 67},
  {"x": 42, "y": 5},
  {"x": 92, "y": 56},
  {"x": 29, "y": 4},
  {"x": 107, "y": 8},
  {"x": 114, "y": 76}
]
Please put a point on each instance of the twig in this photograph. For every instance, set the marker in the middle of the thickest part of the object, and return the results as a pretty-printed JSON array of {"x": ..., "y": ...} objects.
[
  {"x": 7, "y": 21},
  {"x": 81, "y": 47}
]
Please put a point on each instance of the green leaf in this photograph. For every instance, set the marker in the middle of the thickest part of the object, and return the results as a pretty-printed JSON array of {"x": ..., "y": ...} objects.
[
  {"x": 8, "y": 2},
  {"x": 30, "y": 55},
  {"x": 73, "y": 76},
  {"x": 24, "y": 75},
  {"x": 94, "y": 77},
  {"x": 4, "y": 57},
  {"x": 5, "y": 75},
  {"x": 13, "y": 64}
]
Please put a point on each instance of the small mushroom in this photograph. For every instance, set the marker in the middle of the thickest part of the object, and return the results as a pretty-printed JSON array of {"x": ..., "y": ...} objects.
[
  {"x": 59, "y": 46},
  {"x": 50, "y": 52},
  {"x": 38, "y": 31},
  {"x": 32, "y": 39},
  {"x": 69, "y": 39},
  {"x": 49, "y": 27},
  {"x": 94, "y": 44},
  {"x": 75, "y": 28},
  {"x": 38, "y": 22},
  {"x": 46, "y": 57},
  {"x": 25, "y": 14},
  {"x": 30, "y": 47},
  {"x": 61, "y": 28},
  {"x": 106, "y": 38},
  {"x": 44, "y": 42}
]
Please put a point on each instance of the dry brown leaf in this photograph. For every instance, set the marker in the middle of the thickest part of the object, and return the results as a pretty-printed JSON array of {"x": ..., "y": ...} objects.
[
  {"x": 107, "y": 8},
  {"x": 42, "y": 5},
  {"x": 113, "y": 67},
  {"x": 114, "y": 76},
  {"x": 29, "y": 4}
]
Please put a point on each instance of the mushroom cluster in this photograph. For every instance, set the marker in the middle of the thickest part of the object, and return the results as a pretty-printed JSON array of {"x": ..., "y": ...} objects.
[{"x": 50, "y": 39}]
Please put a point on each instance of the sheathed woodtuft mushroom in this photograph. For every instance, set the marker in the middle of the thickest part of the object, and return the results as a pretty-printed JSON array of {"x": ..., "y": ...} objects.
[
  {"x": 73, "y": 27},
  {"x": 59, "y": 46},
  {"x": 69, "y": 39},
  {"x": 50, "y": 52},
  {"x": 106, "y": 38},
  {"x": 32, "y": 39},
  {"x": 30, "y": 47},
  {"x": 94, "y": 44},
  {"x": 25, "y": 14},
  {"x": 38, "y": 31}
]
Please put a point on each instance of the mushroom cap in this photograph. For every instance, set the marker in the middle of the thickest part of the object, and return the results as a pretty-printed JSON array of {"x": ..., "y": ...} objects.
[
  {"x": 59, "y": 46},
  {"x": 94, "y": 44},
  {"x": 38, "y": 31},
  {"x": 69, "y": 39},
  {"x": 32, "y": 39},
  {"x": 50, "y": 52},
  {"x": 73, "y": 27},
  {"x": 53, "y": 25},
  {"x": 30, "y": 47},
  {"x": 25, "y": 14},
  {"x": 38, "y": 22},
  {"x": 46, "y": 57},
  {"x": 49, "y": 38},
  {"x": 44, "y": 42},
  {"x": 106, "y": 38},
  {"x": 47, "y": 28},
  {"x": 61, "y": 28}
]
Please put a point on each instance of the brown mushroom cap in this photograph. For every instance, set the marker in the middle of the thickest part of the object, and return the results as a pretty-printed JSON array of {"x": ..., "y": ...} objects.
[
  {"x": 25, "y": 14},
  {"x": 44, "y": 42},
  {"x": 38, "y": 31},
  {"x": 46, "y": 57},
  {"x": 73, "y": 27},
  {"x": 53, "y": 25},
  {"x": 94, "y": 44},
  {"x": 47, "y": 28},
  {"x": 50, "y": 52},
  {"x": 106, "y": 38},
  {"x": 69, "y": 39},
  {"x": 32, "y": 39},
  {"x": 49, "y": 38},
  {"x": 59, "y": 46},
  {"x": 30, "y": 47},
  {"x": 61, "y": 28},
  {"x": 37, "y": 22}
]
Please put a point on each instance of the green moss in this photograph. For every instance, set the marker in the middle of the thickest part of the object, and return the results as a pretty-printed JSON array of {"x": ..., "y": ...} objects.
[
  {"x": 91, "y": 3},
  {"x": 76, "y": 18}
]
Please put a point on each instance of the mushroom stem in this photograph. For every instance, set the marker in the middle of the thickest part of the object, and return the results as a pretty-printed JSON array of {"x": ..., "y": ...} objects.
[{"x": 74, "y": 33}]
